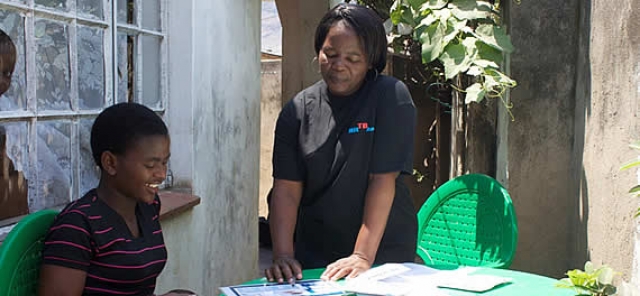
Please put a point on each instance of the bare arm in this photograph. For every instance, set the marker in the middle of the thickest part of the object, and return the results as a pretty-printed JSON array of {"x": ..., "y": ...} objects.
[
  {"x": 285, "y": 201},
  {"x": 380, "y": 194},
  {"x": 378, "y": 201},
  {"x": 61, "y": 281}
]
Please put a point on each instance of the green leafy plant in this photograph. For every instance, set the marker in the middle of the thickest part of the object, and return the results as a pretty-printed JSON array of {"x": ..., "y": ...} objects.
[
  {"x": 457, "y": 37},
  {"x": 590, "y": 282},
  {"x": 631, "y": 164}
]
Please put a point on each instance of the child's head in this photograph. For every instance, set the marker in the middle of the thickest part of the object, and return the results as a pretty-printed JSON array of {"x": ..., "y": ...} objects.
[
  {"x": 7, "y": 61},
  {"x": 130, "y": 144}
]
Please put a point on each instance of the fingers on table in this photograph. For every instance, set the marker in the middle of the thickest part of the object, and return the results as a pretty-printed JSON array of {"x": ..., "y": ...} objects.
[
  {"x": 284, "y": 269},
  {"x": 335, "y": 273}
]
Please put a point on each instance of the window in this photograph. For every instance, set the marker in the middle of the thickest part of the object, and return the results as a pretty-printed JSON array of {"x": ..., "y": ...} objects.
[{"x": 75, "y": 57}]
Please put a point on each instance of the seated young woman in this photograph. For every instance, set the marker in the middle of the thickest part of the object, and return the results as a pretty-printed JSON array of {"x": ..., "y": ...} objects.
[{"x": 109, "y": 242}]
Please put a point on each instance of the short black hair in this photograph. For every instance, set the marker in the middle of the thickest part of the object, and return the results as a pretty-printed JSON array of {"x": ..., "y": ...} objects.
[
  {"x": 366, "y": 24},
  {"x": 119, "y": 126}
]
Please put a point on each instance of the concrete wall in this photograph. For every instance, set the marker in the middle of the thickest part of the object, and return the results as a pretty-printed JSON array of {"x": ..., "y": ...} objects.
[
  {"x": 270, "y": 106},
  {"x": 576, "y": 110},
  {"x": 299, "y": 20},
  {"x": 215, "y": 66},
  {"x": 541, "y": 137},
  {"x": 610, "y": 116}
]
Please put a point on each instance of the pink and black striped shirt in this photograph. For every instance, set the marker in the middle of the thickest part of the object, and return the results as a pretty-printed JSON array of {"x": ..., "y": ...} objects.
[{"x": 90, "y": 236}]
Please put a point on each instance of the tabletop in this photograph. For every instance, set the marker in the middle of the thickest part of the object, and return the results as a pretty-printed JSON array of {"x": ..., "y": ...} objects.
[{"x": 523, "y": 284}]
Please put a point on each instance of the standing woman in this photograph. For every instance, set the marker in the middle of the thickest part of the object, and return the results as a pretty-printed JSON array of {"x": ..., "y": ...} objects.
[{"x": 341, "y": 149}]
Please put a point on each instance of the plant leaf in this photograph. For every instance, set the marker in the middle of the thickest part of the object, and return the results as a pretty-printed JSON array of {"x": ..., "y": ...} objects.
[
  {"x": 415, "y": 4},
  {"x": 495, "y": 37},
  {"x": 431, "y": 4},
  {"x": 455, "y": 60},
  {"x": 635, "y": 145},
  {"x": 470, "y": 9},
  {"x": 454, "y": 27},
  {"x": 564, "y": 283},
  {"x": 489, "y": 53},
  {"x": 606, "y": 276},
  {"x": 475, "y": 93},
  {"x": 402, "y": 14},
  {"x": 485, "y": 63},
  {"x": 395, "y": 13},
  {"x": 428, "y": 20},
  {"x": 442, "y": 14},
  {"x": 474, "y": 71},
  {"x": 635, "y": 189},
  {"x": 501, "y": 78},
  {"x": 431, "y": 39},
  {"x": 630, "y": 164},
  {"x": 588, "y": 267},
  {"x": 609, "y": 290},
  {"x": 404, "y": 29}
]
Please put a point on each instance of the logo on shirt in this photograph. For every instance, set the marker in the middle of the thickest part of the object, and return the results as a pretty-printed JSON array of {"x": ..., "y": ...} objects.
[{"x": 361, "y": 127}]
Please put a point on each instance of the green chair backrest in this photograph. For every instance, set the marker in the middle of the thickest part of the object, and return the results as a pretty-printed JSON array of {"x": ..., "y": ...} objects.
[
  {"x": 20, "y": 254},
  {"x": 468, "y": 221}
]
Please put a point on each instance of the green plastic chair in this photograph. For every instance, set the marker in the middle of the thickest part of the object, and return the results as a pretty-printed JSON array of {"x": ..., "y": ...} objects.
[
  {"x": 468, "y": 221},
  {"x": 20, "y": 254}
]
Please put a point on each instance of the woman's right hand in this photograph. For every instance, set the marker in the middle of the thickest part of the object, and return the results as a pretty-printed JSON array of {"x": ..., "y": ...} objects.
[{"x": 283, "y": 268}]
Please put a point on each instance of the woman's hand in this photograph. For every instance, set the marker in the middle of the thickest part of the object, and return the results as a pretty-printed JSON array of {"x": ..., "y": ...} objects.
[
  {"x": 284, "y": 267},
  {"x": 349, "y": 267}
]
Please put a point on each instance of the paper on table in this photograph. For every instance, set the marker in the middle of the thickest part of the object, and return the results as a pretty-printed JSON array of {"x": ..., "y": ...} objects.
[
  {"x": 303, "y": 288},
  {"x": 395, "y": 279},
  {"x": 464, "y": 279},
  {"x": 415, "y": 279}
]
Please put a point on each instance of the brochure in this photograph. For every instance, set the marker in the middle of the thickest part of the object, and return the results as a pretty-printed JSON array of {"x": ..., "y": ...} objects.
[{"x": 303, "y": 288}]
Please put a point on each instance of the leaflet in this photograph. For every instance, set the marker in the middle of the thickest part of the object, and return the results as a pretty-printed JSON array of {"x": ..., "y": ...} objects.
[{"x": 303, "y": 288}]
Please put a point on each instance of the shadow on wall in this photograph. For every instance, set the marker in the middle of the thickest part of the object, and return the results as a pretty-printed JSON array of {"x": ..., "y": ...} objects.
[{"x": 579, "y": 250}]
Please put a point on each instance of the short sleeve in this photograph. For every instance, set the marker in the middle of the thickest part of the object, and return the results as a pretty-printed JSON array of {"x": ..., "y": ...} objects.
[
  {"x": 157, "y": 205},
  {"x": 68, "y": 242},
  {"x": 394, "y": 130},
  {"x": 287, "y": 159}
]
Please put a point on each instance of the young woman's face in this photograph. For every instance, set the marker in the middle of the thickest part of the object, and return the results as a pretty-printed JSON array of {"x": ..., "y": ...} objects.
[
  {"x": 6, "y": 69},
  {"x": 143, "y": 167},
  {"x": 343, "y": 61}
]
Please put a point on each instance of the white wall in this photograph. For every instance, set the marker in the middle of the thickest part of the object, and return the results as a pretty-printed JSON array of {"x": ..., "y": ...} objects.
[{"x": 215, "y": 68}]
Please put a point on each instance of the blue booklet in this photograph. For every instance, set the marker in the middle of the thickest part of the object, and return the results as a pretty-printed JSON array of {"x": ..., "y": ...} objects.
[{"x": 303, "y": 288}]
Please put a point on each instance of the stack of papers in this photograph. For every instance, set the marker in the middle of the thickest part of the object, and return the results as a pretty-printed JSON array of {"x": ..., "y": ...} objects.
[
  {"x": 409, "y": 279},
  {"x": 391, "y": 279},
  {"x": 397, "y": 280}
]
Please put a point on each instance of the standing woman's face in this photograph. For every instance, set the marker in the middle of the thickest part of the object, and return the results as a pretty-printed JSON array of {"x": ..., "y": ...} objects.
[{"x": 343, "y": 61}]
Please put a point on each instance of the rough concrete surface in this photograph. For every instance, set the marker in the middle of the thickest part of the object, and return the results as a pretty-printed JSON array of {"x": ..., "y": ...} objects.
[
  {"x": 270, "y": 106},
  {"x": 540, "y": 139},
  {"x": 611, "y": 123},
  {"x": 217, "y": 243}
]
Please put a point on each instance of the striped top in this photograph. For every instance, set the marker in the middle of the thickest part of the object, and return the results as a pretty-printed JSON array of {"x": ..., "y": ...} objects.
[{"x": 90, "y": 236}]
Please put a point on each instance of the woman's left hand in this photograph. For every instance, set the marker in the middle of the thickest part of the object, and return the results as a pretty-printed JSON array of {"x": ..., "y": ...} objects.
[{"x": 349, "y": 267}]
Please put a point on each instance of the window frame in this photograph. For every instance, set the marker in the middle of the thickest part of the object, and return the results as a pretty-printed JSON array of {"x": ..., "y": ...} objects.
[{"x": 30, "y": 11}]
